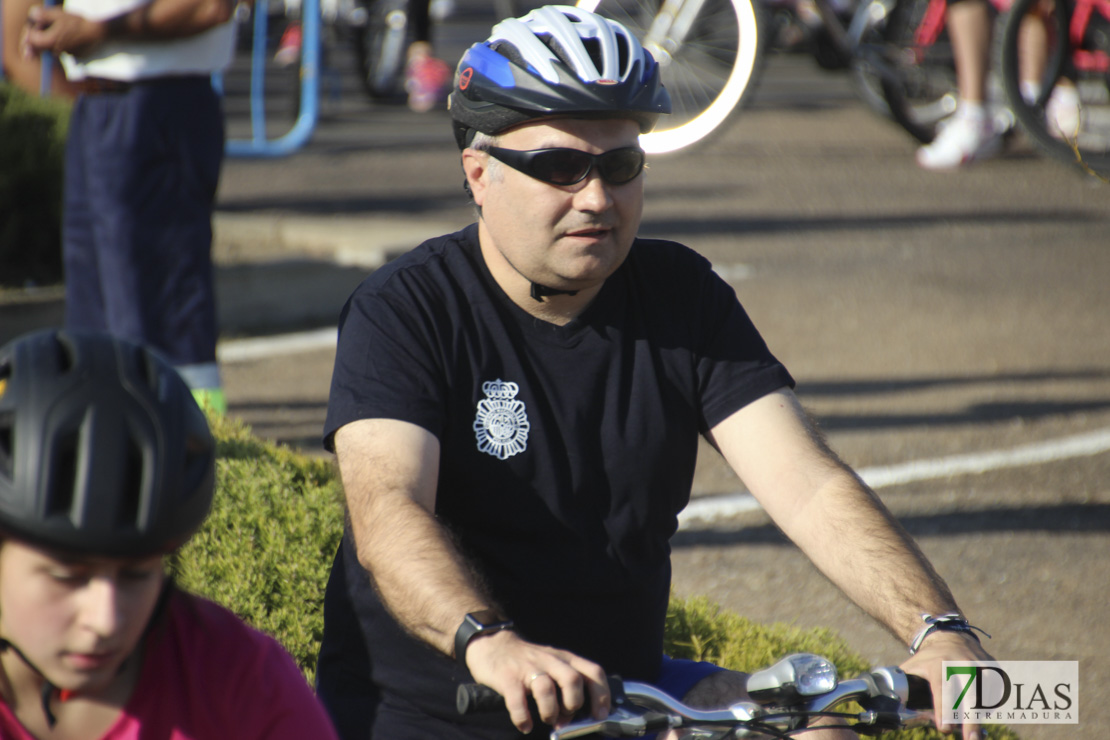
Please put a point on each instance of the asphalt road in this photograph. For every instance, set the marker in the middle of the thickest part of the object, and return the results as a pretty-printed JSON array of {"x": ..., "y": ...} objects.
[{"x": 924, "y": 315}]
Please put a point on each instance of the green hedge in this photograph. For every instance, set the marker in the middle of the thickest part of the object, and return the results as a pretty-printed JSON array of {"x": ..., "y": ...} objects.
[
  {"x": 266, "y": 550},
  {"x": 267, "y": 547},
  {"x": 32, "y": 145}
]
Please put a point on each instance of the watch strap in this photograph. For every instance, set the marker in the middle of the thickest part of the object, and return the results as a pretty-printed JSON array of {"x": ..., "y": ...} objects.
[{"x": 474, "y": 624}]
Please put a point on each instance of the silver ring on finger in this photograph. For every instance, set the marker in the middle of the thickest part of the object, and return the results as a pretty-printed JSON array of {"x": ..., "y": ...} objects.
[{"x": 528, "y": 681}]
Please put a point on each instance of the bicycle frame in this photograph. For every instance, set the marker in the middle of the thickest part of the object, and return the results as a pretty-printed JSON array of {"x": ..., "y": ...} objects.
[
  {"x": 1084, "y": 60},
  {"x": 931, "y": 25},
  {"x": 670, "y": 27}
]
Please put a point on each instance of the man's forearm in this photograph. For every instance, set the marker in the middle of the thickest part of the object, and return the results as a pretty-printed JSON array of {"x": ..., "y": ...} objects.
[
  {"x": 390, "y": 475},
  {"x": 856, "y": 542},
  {"x": 419, "y": 573},
  {"x": 830, "y": 514}
]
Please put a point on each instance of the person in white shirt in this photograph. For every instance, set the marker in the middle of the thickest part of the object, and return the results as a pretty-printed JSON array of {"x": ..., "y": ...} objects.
[{"x": 143, "y": 158}]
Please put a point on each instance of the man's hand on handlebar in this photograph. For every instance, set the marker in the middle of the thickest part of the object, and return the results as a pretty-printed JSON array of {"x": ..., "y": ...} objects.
[
  {"x": 560, "y": 682},
  {"x": 928, "y": 663}
]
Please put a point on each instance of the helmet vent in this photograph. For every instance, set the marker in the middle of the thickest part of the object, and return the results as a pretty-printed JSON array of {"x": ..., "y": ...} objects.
[
  {"x": 65, "y": 356},
  {"x": 7, "y": 422},
  {"x": 147, "y": 367},
  {"x": 63, "y": 478},
  {"x": 593, "y": 48},
  {"x": 130, "y": 494},
  {"x": 624, "y": 54},
  {"x": 510, "y": 52},
  {"x": 6, "y": 453}
]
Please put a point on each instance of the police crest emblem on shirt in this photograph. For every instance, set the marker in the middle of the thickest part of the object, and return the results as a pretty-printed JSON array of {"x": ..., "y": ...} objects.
[{"x": 501, "y": 424}]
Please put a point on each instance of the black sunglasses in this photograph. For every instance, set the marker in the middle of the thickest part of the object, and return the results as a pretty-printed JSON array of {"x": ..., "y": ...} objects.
[{"x": 569, "y": 166}]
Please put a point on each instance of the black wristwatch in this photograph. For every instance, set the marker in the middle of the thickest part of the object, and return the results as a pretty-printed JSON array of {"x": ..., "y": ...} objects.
[{"x": 485, "y": 622}]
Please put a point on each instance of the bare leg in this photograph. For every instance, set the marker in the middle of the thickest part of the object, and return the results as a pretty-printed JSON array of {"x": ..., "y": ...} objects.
[
  {"x": 969, "y": 27},
  {"x": 1033, "y": 52}
]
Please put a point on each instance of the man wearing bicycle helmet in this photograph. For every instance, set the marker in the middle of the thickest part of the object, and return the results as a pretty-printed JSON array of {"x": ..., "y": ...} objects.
[
  {"x": 516, "y": 408},
  {"x": 106, "y": 466}
]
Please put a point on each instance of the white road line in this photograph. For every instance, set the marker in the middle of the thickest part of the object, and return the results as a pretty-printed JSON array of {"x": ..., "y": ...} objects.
[
  {"x": 257, "y": 348},
  {"x": 735, "y": 272},
  {"x": 714, "y": 508},
  {"x": 1051, "y": 450}
]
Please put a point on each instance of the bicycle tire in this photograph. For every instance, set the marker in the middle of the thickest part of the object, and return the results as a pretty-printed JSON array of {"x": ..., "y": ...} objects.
[
  {"x": 918, "y": 82},
  {"x": 865, "y": 73},
  {"x": 868, "y": 85},
  {"x": 1088, "y": 145},
  {"x": 381, "y": 45},
  {"x": 709, "y": 76}
]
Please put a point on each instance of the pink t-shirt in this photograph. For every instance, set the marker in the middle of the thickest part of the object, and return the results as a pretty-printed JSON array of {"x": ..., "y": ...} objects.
[{"x": 209, "y": 676}]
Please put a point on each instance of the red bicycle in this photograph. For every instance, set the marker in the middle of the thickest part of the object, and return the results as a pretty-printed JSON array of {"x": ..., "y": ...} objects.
[
  {"x": 919, "y": 80},
  {"x": 1066, "y": 112}
]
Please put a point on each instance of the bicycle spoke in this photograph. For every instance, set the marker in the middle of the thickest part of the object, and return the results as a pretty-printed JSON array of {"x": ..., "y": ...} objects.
[{"x": 708, "y": 73}]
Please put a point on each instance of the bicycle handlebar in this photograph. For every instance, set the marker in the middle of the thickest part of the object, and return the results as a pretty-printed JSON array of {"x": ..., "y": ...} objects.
[{"x": 890, "y": 700}]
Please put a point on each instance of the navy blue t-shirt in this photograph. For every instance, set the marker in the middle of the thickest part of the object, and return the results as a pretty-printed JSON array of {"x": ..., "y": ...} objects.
[{"x": 566, "y": 452}]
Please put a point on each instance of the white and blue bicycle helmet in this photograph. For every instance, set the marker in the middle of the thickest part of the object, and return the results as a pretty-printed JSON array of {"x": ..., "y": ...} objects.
[{"x": 555, "y": 61}]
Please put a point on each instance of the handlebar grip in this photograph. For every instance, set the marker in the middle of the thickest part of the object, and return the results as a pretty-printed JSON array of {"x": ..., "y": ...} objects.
[
  {"x": 920, "y": 693},
  {"x": 474, "y": 698}
]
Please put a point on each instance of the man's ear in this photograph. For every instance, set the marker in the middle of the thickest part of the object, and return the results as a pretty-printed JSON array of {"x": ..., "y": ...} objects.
[{"x": 475, "y": 167}]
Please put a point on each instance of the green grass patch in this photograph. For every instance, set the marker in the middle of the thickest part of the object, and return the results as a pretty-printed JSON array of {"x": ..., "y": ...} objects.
[{"x": 267, "y": 547}]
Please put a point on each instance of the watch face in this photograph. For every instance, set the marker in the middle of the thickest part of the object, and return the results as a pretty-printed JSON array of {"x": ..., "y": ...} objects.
[
  {"x": 485, "y": 618},
  {"x": 477, "y": 623}
]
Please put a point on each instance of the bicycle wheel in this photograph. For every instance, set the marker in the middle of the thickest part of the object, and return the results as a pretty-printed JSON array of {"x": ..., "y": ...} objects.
[
  {"x": 381, "y": 43},
  {"x": 709, "y": 73},
  {"x": 918, "y": 79},
  {"x": 1070, "y": 119},
  {"x": 866, "y": 33}
]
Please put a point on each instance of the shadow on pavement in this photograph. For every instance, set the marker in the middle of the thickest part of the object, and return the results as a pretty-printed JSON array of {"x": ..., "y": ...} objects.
[
  {"x": 976, "y": 413},
  {"x": 875, "y": 386},
  {"x": 674, "y": 227},
  {"x": 326, "y": 204},
  {"x": 1070, "y": 518}
]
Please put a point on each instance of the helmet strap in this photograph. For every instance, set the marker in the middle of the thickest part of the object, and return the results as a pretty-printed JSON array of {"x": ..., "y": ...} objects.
[
  {"x": 49, "y": 690},
  {"x": 539, "y": 292}
]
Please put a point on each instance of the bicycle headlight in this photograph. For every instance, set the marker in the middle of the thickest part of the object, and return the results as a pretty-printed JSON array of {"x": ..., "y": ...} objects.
[
  {"x": 795, "y": 676},
  {"x": 815, "y": 675}
]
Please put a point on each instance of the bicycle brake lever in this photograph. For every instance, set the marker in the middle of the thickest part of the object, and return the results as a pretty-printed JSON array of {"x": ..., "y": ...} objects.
[{"x": 620, "y": 723}]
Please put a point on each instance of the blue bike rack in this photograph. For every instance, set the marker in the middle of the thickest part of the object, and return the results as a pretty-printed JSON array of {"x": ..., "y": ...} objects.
[{"x": 259, "y": 145}]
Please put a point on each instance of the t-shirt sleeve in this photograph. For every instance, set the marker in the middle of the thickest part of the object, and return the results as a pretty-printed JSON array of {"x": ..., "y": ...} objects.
[
  {"x": 734, "y": 365},
  {"x": 385, "y": 365}
]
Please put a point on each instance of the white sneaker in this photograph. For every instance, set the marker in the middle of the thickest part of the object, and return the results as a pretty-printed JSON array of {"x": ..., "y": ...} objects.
[
  {"x": 1062, "y": 112},
  {"x": 960, "y": 140}
]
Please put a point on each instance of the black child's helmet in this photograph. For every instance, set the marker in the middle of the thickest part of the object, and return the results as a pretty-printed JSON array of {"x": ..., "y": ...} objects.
[
  {"x": 556, "y": 61},
  {"x": 103, "y": 450}
]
